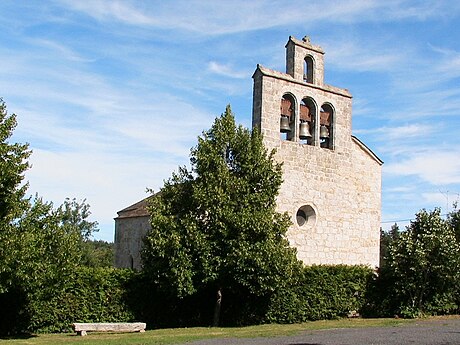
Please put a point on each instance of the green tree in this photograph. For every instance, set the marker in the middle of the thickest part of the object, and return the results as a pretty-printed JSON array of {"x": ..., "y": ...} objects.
[
  {"x": 40, "y": 246},
  {"x": 215, "y": 226},
  {"x": 424, "y": 267},
  {"x": 454, "y": 220},
  {"x": 13, "y": 164},
  {"x": 45, "y": 251},
  {"x": 74, "y": 217},
  {"x": 98, "y": 253},
  {"x": 44, "y": 243},
  {"x": 386, "y": 238},
  {"x": 39, "y": 259}
]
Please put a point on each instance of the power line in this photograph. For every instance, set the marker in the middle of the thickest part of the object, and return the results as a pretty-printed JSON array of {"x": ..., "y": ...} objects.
[
  {"x": 395, "y": 221},
  {"x": 406, "y": 220}
]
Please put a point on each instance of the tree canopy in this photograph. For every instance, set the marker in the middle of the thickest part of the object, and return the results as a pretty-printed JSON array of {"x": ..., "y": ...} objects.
[
  {"x": 13, "y": 204},
  {"x": 13, "y": 164},
  {"x": 453, "y": 219},
  {"x": 41, "y": 247},
  {"x": 216, "y": 224},
  {"x": 421, "y": 271}
]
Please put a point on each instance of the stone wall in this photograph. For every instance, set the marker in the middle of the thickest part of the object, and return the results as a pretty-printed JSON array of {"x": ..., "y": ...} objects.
[
  {"x": 129, "y": 234},
  {"x": 344, "y": 192},
  {"x": 338, "y": 189}
]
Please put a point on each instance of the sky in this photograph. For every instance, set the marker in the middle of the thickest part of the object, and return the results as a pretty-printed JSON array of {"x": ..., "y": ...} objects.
[{"x": 111, "y": 95}]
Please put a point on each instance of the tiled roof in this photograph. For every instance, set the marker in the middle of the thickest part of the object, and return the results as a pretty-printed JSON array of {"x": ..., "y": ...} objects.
[{"x": 139, "y": 209}]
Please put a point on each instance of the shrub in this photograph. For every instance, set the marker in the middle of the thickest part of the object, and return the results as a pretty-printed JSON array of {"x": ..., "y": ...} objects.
[
  {"x": 91, "y": 295},
  {"x": 320, "y": 292},
  {"x": 421, "y": 275}
]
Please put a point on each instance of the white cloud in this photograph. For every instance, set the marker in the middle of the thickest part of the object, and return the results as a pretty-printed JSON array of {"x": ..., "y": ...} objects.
[
  {"x": 448, "y": 64},
  {"x": 121, "y": 11},
  {"x": 109, "y": 183},
  {"x": 166, "y": 128},
  {"x": 372, "y": 56},
  {"x": 408, "y": 131},
  {"x": 226, "y": 70},
  {"x": 224, "y": 17},
  {"x": 434, "y": 167},
  {"x": 426, "y": 76},
  {"x": 443, "y": 198},
  {"x": 437, "y": 102},
  {"x": 63, "y": 50},
  {"x": 405, "y": 132},
  {"x": 400, "y": 189},
  {"x": 94, "y": 138},
  {"x": 112, "y": 94}
]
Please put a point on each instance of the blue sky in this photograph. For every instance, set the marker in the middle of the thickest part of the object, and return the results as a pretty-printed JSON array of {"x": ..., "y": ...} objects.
[{"x": 111, "y": 95}]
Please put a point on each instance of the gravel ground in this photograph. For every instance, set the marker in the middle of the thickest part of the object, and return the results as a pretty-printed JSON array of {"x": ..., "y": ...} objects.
[{"x": 425, "y": 332}]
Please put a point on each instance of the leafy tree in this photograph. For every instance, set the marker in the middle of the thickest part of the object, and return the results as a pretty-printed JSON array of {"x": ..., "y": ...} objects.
[
  {"x": 46, "y": 243},
  {"x": 454, "y": 220},
  {"x": 45, "y": 252},
  {"x": 423, "y": 267},
  {"x": 74, "y": 216},
  {"x": 97, "y": 253},
  {"x": 13, "y": 164},
  {"x": 386, "y": 238},
  {"x": 40, "y": 257},
  {"x": 40, "y": 246},
  {"x": 215, "y": 226}
]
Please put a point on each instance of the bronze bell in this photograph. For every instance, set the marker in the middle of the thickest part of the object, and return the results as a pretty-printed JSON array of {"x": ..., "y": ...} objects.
[
  {"x": 323, "y": 132},
  {"x": 284, "y": 124},
  {"x": 304, "y": 130}
]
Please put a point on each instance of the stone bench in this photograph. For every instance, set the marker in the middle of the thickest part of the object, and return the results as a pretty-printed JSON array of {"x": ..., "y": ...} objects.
[{"x": 82, "y": 328}]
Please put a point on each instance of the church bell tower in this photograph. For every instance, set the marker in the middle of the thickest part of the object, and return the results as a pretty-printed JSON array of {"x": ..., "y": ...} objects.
[{"x": 332, "y": 181}]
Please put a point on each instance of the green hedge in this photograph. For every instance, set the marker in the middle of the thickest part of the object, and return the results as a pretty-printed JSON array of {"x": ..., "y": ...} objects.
[
  {"x": 117, "y": 295},
  {"x": 87, "y": 295},
  {"x": 320, "y": 292},
  {"x": 93, "y": 295},
  {"x": 315, "y": 293}
]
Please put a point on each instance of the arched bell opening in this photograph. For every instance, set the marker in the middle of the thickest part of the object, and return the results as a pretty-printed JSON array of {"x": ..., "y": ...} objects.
[
  {"x": 307, "y": 121},
  {"x": 287, "y": 117},
  {"x": 326, "y": 130},
  {"x": 308, "y": 66}
]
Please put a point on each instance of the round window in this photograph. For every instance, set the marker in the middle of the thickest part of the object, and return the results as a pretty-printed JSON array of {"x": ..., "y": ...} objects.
[{"x": 306, "y": 215}]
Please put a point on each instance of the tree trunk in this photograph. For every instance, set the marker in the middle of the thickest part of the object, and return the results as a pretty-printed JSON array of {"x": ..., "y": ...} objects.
[{"x": 217, "y": 308}]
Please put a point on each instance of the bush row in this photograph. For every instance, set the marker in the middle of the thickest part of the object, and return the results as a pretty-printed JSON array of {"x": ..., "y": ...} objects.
[
  {"x": 87, "y": 295},
  {"x": 116, "y": 295},
  {"x": 119, "y": 295},
  {"x": 321, "y": 292}
]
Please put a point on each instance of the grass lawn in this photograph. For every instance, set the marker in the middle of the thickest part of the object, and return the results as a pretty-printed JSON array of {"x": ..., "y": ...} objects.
[{"x": 183, "y": 335}]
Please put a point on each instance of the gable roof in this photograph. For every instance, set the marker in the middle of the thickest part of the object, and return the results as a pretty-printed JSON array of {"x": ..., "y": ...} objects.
[{"x": 139, "y": 209}]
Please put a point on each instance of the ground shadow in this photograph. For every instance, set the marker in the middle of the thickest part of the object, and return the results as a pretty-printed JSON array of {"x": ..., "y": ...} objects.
[{"x": 17, "y": 336}]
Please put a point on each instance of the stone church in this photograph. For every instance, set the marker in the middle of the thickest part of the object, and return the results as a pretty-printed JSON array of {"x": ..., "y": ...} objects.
[{"x": 332, "y": 180}]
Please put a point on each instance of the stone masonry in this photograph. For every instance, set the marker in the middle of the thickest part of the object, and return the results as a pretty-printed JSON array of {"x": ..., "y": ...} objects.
[
  {"x": 332, "y": 181},
  {"x": 332, "y": 191},
  {"x": 131, "y": 226}
]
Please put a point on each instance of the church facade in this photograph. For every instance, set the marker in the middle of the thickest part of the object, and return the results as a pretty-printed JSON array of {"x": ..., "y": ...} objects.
[{"x": 331, "y": 180}]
